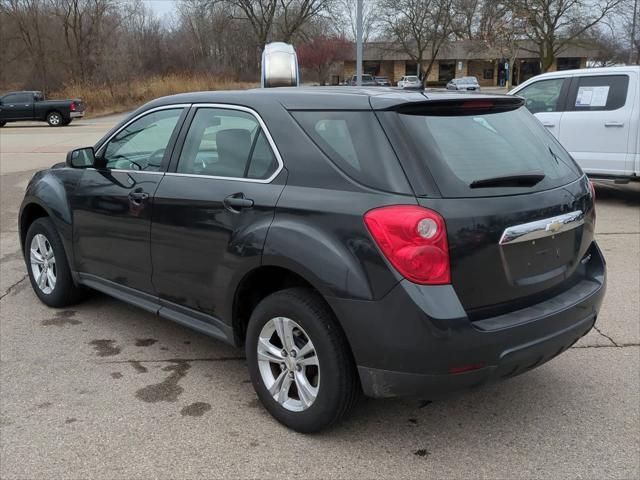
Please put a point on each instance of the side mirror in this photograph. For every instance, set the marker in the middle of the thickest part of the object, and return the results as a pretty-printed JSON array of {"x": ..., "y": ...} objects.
[{"x": 81, "y": 158}]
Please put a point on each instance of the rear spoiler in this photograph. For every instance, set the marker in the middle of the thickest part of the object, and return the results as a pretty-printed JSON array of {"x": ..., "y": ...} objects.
[{"x": 471, "y": 105}]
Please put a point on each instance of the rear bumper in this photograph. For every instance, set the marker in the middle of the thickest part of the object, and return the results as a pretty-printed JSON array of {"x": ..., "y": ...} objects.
[
  {"x": 76, "y": 114},
  {"x": 408, "y": 343}
]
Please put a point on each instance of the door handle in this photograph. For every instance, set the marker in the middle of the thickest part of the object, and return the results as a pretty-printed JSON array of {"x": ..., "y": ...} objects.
[
  {"x": 138, "y": 196},
  {"x": 548, "y": 124},
  {"x": 613, "y": 124},
  {"x": 236, "y": 202}
]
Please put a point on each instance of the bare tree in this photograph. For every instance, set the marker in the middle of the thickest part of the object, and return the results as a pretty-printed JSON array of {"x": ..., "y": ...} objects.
[
  {"x": 294, "y": 14},
  {"x": 260, "y": 14},
  {"x": 419, "y": 28},
  {"x": 85, "y": 28},
  {"x": 344, "y": 14},
  {"x": 553, "y": 24},
  {"x": 28, "y": 17}
]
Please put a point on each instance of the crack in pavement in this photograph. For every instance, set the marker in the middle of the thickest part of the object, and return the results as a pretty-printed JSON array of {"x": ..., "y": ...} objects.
[
  {"x": 619, "y": 345},
  {"x": 11, "y": 287},
  {"x": 605, "y": 336}
]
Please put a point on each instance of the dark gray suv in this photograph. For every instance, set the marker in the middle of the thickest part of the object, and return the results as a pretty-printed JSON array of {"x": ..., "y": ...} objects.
[{"x": 390, "y": 242}]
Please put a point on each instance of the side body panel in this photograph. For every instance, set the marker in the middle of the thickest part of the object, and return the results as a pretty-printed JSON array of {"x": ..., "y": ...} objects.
[
  {"x": 200, "y": 249},
  {"x": 111, "y": 229},
  {"x": 41, "y": 109},
  {"x": 599, "y": 140}
]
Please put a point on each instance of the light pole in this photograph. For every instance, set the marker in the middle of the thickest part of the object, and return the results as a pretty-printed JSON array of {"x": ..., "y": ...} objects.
[
  {"x": 359, "y": 44},
  {"x": 634, "y": 23}
]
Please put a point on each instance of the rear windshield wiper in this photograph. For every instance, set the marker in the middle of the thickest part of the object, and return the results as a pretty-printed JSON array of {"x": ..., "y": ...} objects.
[{"x": 527, "y": 179}]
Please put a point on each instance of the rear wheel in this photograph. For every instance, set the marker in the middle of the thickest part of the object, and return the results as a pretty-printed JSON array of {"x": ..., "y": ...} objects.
[
  {"x": 54, "y": 119},
  {"x": 47, "y": 265},
  {"x": 299, "y": 361}
]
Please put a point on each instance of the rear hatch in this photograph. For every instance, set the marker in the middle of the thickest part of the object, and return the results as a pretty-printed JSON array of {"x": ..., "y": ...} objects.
[{"x": 518, "y": 210}]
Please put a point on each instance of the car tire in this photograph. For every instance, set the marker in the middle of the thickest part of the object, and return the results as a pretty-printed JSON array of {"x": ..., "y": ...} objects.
[
  {"x": 54, "y": 119},
  {"x": 333, "y": 378},
  {"x": 48, "y": 267}
]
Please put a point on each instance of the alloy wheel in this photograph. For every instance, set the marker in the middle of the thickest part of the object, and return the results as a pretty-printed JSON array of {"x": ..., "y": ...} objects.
[
  {"x": 43, "y": 263},
  {"x": 288, "y": 364}
]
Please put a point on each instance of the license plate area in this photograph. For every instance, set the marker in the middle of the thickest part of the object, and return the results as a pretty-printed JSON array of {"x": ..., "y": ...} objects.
[{"x": 539, "y": 260}]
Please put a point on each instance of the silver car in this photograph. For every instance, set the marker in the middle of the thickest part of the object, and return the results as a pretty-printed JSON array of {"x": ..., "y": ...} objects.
[
  {"x": 410, "y": 82},
  {"x": 464, "y": 83}
]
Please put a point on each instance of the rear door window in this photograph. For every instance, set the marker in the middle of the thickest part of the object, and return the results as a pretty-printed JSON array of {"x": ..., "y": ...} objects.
[
  {"x": 599, "y": 93},
  {"x": 356, "y": 144},
  {"x": 226, "y": 143},
  {"x": 459, "y": 150}
]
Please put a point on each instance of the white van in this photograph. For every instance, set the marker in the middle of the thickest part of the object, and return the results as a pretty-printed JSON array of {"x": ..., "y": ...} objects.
[{"x": 594, "y": 113}]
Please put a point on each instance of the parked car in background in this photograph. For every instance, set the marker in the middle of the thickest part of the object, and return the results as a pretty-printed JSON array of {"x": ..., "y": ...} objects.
[
  {"x": 594, "y": 113},
  {"x": 31, "y": 105},
  {"x": 382, "y": 81},
  {"x": 377, "y": 240},
  {"x": 410, "y": 82},
  {"x": 465, "y": 83},
  {"x": 367, "y": 81}
]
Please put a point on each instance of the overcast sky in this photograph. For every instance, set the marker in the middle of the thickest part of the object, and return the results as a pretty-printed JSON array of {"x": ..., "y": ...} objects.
[{"x": 161, "y": 7}]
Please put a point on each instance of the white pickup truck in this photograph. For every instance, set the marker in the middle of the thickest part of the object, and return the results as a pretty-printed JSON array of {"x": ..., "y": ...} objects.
[{"x": 594, "y": 113}]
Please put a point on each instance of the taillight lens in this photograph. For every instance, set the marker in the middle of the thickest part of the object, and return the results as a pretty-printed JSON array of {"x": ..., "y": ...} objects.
[
  {"x": 414, "y": 240},
  {"x": 73, "y": 106}
]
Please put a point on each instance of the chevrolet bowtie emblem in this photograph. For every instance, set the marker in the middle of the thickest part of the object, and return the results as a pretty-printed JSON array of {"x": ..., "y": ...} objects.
[{"x": 554, "y": 227}]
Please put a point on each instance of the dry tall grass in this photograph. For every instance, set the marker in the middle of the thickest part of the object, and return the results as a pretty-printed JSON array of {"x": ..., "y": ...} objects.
[{"x": 102, "y": 100}]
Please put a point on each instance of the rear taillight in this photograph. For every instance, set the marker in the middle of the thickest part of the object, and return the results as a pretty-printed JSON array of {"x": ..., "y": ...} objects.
[
  {"x": 414, "y": 240},
  {"x": 73, "y": 106}
]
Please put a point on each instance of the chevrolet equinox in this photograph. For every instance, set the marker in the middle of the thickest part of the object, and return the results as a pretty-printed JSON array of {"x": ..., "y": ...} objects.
[{"x": 352, "y": 240}]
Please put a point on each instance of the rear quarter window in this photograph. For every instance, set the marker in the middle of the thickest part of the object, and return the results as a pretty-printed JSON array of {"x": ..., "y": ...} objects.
[{"x": 356, "y": 144}]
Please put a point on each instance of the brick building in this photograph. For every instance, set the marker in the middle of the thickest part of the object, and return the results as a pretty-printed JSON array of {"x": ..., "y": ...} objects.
[{"x": 458, "y": 59}]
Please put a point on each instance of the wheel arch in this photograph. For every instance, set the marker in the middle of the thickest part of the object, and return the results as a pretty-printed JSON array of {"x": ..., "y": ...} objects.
[
  {"x": 259, "y": 283},
  {"x": 46, "y": 196},
  {"x": 29, "y": 214}
]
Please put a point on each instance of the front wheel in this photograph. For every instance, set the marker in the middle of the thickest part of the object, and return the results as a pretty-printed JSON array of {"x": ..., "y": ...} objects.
[
  {"x": 54, "y": 119},
  {"x": 47, "y": 265},
  {"x": 299, "y": 361}
]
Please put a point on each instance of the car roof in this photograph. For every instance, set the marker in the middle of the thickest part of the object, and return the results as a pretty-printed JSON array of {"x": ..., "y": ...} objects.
[
  {"x": 314, "y": 98},
  {"x": 21, "y": 91}
]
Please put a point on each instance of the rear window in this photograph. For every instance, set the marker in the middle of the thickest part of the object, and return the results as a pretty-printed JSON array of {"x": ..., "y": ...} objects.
[
  {"x": 462, "y": 149},
  {"x": 355, "y": 143}
]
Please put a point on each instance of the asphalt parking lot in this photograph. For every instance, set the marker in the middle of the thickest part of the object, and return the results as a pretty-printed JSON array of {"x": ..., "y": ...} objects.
[{"x": 104, "y": 390}]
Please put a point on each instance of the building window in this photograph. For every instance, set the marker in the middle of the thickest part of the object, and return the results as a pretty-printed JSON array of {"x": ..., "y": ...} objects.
[
  {"x": 447, "y": 70},
  {"x": 411, "y": 68},
  {"x": 488, "y": 74},
  {"x": 568, "y": 63}
]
